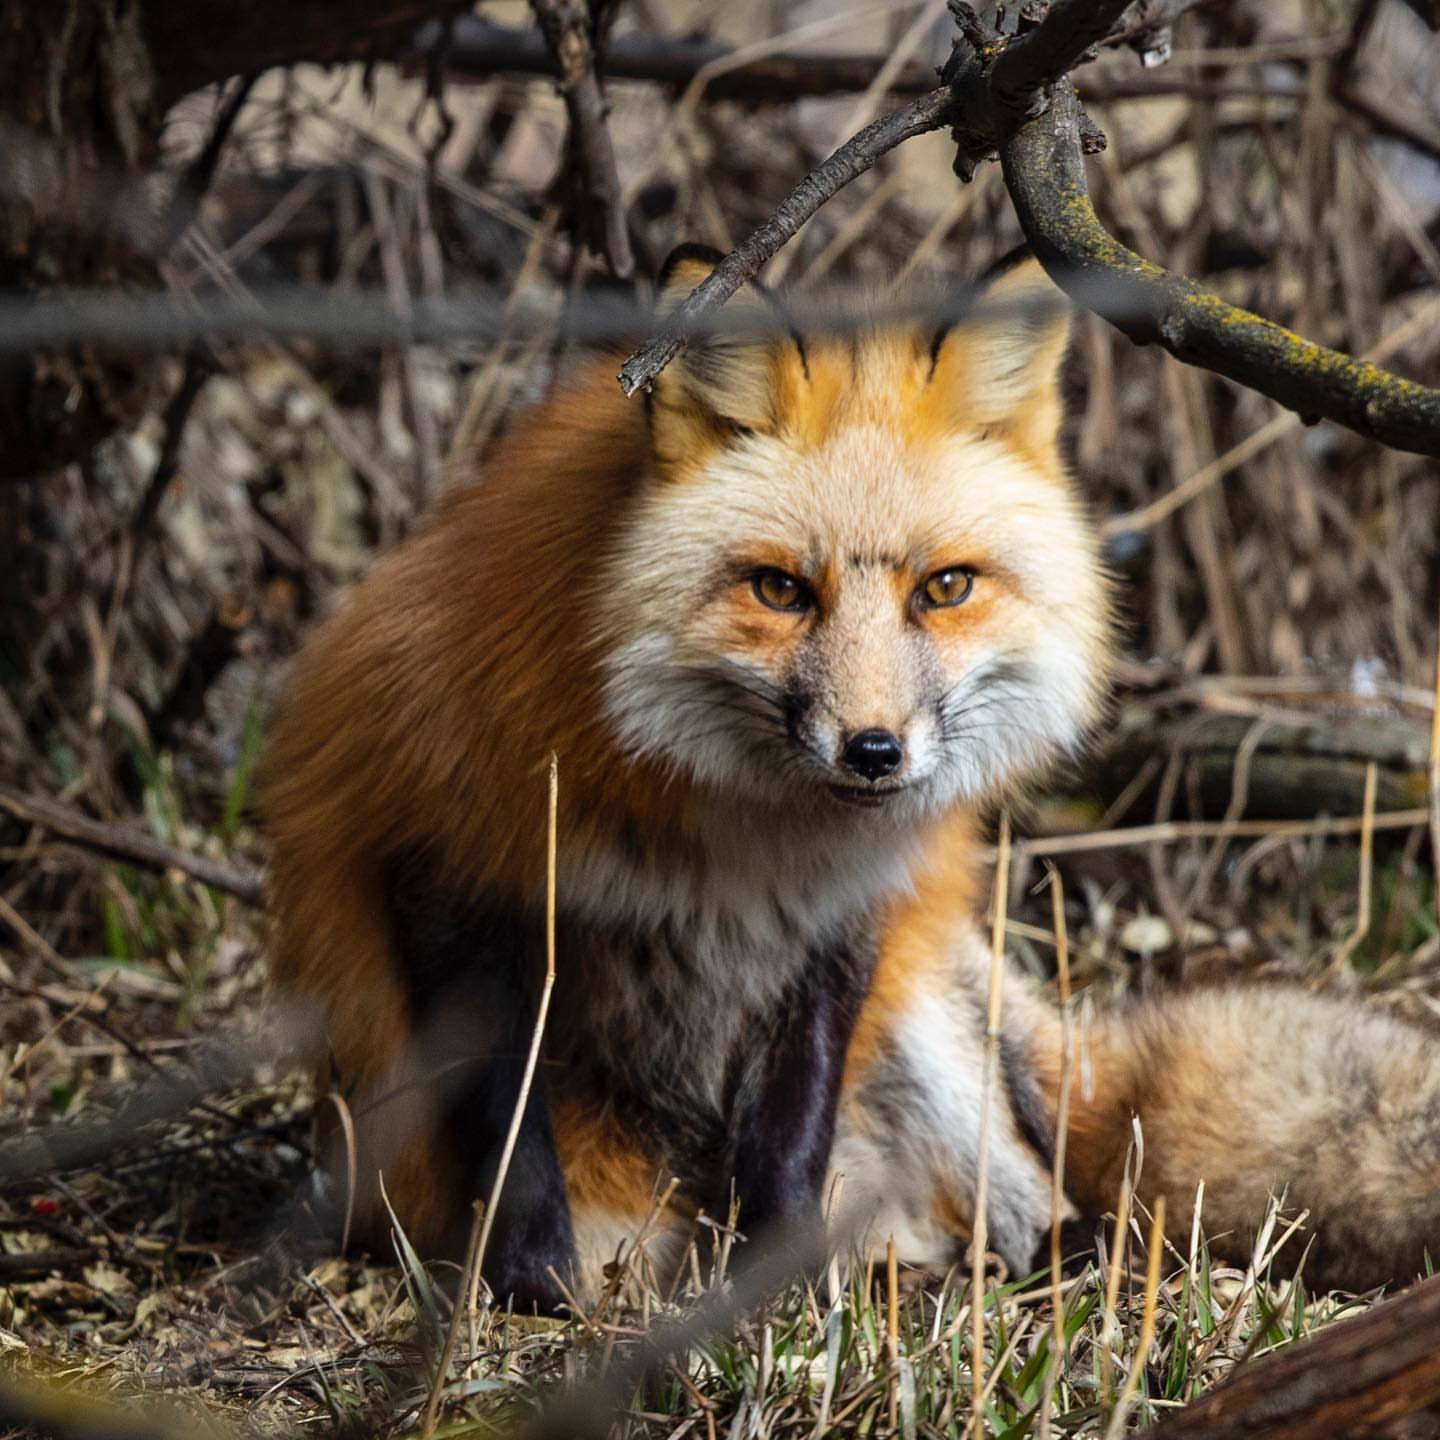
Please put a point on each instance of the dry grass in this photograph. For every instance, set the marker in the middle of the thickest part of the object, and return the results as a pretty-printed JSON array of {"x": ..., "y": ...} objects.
[{"x": 1294, "y": 578}]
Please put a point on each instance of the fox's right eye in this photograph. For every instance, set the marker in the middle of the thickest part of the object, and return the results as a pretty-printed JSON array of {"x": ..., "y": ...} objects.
[{"x": 780, "y": 591}]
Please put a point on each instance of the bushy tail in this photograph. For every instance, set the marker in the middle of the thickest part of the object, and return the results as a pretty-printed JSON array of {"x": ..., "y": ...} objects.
[{"x": 1262, "y": 1090}]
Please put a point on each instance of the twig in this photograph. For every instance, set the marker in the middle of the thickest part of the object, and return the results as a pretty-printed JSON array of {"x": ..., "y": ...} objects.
[
  {"x": 988, "y": 1083},
  {"x": 566, "y": 25},
  {"x": 190, "y": 190},
  {"x": 1413, "y": 130},
  {"x": 543, "y": 1010},
  {"x": 477, "y": 49},
  {"x": 855, "y": 157},
  {"x": 469, "y": 1269},
  {"x": 1045, "y": 174},
  {"x": 120, "y": 842},
  {"x": 422, "y": 421},
  {"x": 35, "y": 940}
]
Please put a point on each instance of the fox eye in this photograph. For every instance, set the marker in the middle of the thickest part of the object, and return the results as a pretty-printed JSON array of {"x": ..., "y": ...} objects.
[
  {"x": 780, "y": 591},
  {"x": 946, "y": 588}
]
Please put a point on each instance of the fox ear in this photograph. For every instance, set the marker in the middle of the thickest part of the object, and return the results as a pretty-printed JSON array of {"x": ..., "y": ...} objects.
[
  {"x": 1002, "y": 362},
  {"x": 722, "y": 382}
]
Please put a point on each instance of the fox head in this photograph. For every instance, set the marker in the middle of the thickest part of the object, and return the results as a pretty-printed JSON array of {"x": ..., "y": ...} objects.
[{"x": 859, "y": 575}]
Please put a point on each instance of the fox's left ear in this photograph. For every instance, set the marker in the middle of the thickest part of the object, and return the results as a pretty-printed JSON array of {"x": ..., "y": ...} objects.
[
  {"x": 1001, "y": 364},
  {"x": 722, "y": 383}
]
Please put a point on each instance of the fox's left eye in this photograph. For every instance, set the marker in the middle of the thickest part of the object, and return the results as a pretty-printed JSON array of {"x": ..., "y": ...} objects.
[
  {"x": 946, "y": 587},
  {"x": 780, "y": 591}
]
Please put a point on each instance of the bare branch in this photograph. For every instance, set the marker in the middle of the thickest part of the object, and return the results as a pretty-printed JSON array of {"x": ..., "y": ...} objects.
[
  {"x": 122, "y": 843},
  {"x": 566, "y": 24},
  {"x": 852, "y": 159},
  {"x": 1045, "y": 173}
]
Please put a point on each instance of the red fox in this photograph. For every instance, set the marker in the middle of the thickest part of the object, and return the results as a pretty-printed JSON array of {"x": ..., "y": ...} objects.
[{"x": 792, "y": 627}]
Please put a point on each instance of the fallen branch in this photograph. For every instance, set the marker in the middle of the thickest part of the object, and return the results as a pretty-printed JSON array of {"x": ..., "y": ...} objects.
[
  {"x": 1354, "y": 1378},
  {"x": 567, "y": 28},
  {"x": 120, "y": 842}
]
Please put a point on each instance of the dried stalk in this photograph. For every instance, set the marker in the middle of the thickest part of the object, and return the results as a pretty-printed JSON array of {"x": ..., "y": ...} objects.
[{"x": 988, "y": 1085}]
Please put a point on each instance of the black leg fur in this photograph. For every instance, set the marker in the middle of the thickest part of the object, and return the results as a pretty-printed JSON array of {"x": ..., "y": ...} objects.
[
  {"x": 475, "y": 972},
  {"x": 786, "y": 1130}
]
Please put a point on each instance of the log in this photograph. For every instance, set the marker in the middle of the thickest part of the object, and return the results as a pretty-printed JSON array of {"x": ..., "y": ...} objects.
[
  {"x": 1375, "y": 1374},
  {"x": 1310, "y": 758}
]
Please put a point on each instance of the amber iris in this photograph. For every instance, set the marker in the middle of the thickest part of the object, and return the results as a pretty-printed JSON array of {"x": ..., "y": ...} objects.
[
  {"x": 947, "y": 587},
  {"x": 780, "y": 591}
]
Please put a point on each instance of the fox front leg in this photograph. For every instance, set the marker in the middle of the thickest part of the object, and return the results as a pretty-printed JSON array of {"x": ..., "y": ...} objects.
[
  {"x": 474, "y": 971},
  {"x": 787, "y": 1125}
]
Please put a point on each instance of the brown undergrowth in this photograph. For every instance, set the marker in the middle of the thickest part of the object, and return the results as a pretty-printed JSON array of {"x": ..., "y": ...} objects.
[{"x": 1281, "y": 586}]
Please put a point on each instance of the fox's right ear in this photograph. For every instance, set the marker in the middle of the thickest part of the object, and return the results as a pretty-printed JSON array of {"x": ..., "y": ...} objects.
[
  {"x": 722, "y": 382},
  {"x": 1002, "y": 363}
]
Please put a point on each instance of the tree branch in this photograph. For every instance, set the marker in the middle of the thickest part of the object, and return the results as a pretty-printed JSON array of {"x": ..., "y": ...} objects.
[
  {"x": 122, "y": 843},
  {"x": 992, "y": 81},
  {"x": 1035, "y": 59},
  {"x": 566, "y": 25},
  {"x": 854, "y": 158},
  {"x": 1045, "y": 174}
]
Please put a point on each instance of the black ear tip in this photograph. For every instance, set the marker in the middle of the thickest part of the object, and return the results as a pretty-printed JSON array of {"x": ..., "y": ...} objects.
[
  {"x": 690, "y": 250},
  {"x": 1010, "y": 260}
]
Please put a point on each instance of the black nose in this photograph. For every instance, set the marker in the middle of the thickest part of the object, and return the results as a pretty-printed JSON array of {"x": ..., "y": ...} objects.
[{"x": 873, "y": 754}]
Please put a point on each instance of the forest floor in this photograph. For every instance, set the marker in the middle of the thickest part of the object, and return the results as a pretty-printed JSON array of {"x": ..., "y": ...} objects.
[{"x": 154, "y": 1249}]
